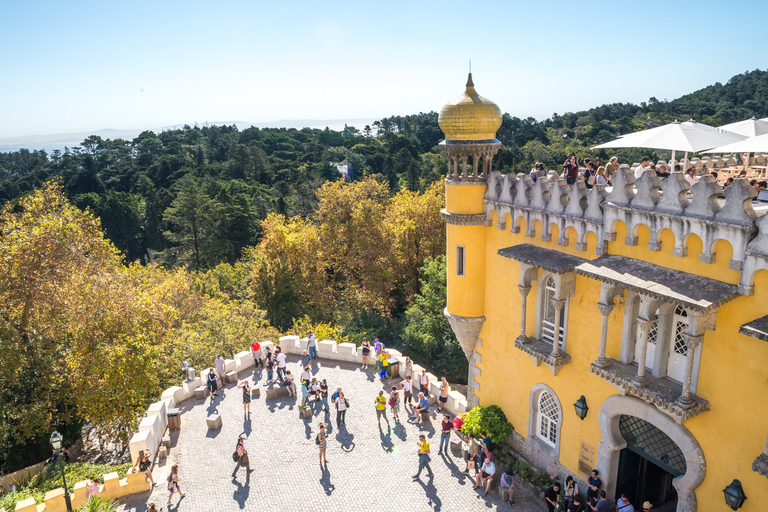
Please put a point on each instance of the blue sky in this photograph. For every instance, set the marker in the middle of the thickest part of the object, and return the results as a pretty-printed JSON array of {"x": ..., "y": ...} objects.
[{"x": 79, "y": 66}]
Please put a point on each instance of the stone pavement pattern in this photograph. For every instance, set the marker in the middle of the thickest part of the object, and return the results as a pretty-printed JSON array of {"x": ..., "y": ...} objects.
[{"x": 368, "y": 469}]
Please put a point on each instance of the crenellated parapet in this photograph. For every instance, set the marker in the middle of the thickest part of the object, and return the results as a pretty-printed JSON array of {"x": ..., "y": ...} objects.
[{"x": 649, "y": 201}]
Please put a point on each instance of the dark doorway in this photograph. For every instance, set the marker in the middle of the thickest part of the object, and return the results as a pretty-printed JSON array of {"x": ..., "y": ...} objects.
[{"x": 642, "y": 480}]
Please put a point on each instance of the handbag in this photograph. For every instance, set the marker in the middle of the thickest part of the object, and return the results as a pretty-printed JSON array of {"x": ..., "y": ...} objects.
[
  {"x": 346, "y": 402},
  {"x": 244, "y": 459},
  {"x": 234, "y": 456},
  {"x": 391, "y": 402}
]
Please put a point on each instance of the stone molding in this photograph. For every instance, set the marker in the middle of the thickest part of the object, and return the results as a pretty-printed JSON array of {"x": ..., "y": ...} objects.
[
  {"x": 655, "y": 392},
  {"x": 462, "y": 219},
  {"x": 541, "y": 352},
  {"x": 612, "y": 443},
  {"x": 760, "y": 465},
  {"x": 670, "y": 204},
  {"x": 467, "y": 331}
]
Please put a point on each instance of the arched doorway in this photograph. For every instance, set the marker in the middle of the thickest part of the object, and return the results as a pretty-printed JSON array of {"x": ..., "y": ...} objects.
[
  {"x": 639, "y": 439},
  {"x": 648, "y": 465}
]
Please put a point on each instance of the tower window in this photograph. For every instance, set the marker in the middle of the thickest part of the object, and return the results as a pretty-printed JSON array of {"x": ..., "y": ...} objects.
[{"x": 460, "y": 260}]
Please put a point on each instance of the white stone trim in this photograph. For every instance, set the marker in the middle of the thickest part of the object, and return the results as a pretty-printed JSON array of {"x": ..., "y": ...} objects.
[
  {"x": 613, "y": 442},
  {"x": 533, "y": 420}
]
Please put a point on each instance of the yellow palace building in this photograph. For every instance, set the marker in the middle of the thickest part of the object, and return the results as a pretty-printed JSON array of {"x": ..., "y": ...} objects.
[{"x": 619, "y": 329}]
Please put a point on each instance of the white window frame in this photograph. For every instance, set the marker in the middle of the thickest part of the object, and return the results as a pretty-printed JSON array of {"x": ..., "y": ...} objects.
[
  {"x": 541, "y": 309},
  {"x": 535, "y": 420},
  {"x": 461, "y": 261}
]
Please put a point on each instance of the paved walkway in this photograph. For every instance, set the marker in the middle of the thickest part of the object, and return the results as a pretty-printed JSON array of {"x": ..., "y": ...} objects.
[{"x": 368, "y": 469}]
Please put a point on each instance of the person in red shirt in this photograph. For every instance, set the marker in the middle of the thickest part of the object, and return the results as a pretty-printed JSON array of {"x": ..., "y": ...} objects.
[
  {"x": 256, "y": 353},
  {"x": 571, "y": 170}
]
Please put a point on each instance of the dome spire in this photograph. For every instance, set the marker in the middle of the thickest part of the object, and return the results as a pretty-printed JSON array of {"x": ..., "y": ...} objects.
[{"x": 470, "y": 83}]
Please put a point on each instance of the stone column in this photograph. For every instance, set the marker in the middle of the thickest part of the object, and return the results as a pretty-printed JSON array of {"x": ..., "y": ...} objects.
[
  {"x": 605, "y": 311},
  {"x": 692, "y": 343},
  {"x": 474, "y": 165},
  {"x": 645, "y": 326},
  {"x": 524, "y": 290},
  {"x": 559, "y": 305}
]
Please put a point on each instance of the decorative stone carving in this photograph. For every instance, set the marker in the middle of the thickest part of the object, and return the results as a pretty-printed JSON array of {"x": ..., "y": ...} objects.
[
  {"x": 761, "y": 464},
  {"x": 458, "y": 219},
  {"x": 541, "y": 352},
  {"x": 647, "y": 195},
  {"x": 738, "y": 203},
  {"x": 467, "y": 330},
  {"x": 577, "y": 200},
  {"x": 623, "y": 187}
]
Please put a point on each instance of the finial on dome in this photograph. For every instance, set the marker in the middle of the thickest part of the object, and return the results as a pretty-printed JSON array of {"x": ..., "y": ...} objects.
[{"x": 470, "y": 83}]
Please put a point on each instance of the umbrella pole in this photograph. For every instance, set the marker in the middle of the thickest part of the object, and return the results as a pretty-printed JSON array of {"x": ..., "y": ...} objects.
[
  {"x": 685, "y": 162},
  {"x": 672, "y": 163}
]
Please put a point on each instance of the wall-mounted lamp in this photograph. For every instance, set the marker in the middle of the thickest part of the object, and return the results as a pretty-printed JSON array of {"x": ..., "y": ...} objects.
[
  {"x": 581, "y": 407},
  {"x": 734, "y": 495}
]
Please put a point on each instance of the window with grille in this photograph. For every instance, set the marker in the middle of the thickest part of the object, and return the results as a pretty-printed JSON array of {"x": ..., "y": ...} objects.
[
  {"x": 548, "y": 418},
  {"x": 681, "y": 322},
  {"x": 548, "y": 324}
]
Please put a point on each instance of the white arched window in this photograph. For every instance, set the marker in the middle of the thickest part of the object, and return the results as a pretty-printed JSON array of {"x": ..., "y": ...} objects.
[
  {"x": 548, "y": 418},
  {"x": 550, "y": 312},
  {"x": 678, "y": 348}
]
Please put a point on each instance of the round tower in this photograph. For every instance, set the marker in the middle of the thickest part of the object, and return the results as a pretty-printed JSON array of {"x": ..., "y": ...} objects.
[{"x": 469, "y": 123}]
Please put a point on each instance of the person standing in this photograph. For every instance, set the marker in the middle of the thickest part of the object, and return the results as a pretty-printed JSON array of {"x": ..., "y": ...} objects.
[
  {"x": 324, "y": 395},
  {"x": 577, "y": 505},
  {"x": 290, "y": 384},
  {"x": 280, "y": 360},
  {"x": 366, "y": 347},
  {"x": 623, "y": 504},
  {"x": 256, "y": 353},
  {"x": 394, "y": 403},
  {"x": 445, "y": 435},
  {"x": 241, "y": 456},
  {"x": 593, "y": 487},
  {"x": 407, "y": 386},
  {"x": 173, "y": 483},
  {"x": 322, "y": 443},
  {"x": 611, "y": 167},
  {"x": 92, "y": 489},
  {"x": 485, "y": 476},
  {"x": 314, "y": 389},
  {"x": 644, "y": 165},
  {"x": 312, "y": 346},
  {"x": 304, "y": 394},
  {"x": 485, "y": 447},
  {"x": 383, "y": 365},
  {"x": 424, "y": 382},
  {"x": 603, "y": 505},
  {"x": 647, "y": 506},
  {"x": 570, "y": 170},
  {"x": 220, "y": 367},
  {"x": 552, "y": 496},
  {"x": 443, "y": 399},
  {"x": 424, "y": 458},
  {"x": 211, "y": 383},
  {"x": 408, "y": 372},
  {"x": 381, "y": 408},
  {"x": 342, "y": 404},
  {"x": 472, "y": 454},
  {"x": 571, "y": 489},
  {"x": 270, "y": 367},
  {"x": 305, "y": 359},
  {"x": 246, "y": 397}
]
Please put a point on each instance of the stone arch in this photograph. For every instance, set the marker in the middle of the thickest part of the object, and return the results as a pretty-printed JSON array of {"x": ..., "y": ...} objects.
[
  {"x": 551, "y": 453},
  {"x": 691, "y": 244},
  {"x": 753, "y": 275},
  {"x": 662, "y": 239},
  {"x": 519, "y": 224},
  {"x": 552, "y": 232},
  {"x": 612, "y": 443},
  {"x": 534, "y": 225},
  {"x": 618, "y": 230},
  {"x": 568, "y": 234},
  {"x": 723, "y": 249}
]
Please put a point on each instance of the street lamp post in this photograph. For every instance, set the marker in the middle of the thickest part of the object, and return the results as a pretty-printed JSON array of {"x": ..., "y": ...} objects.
[{"x": 56, "y": 443}]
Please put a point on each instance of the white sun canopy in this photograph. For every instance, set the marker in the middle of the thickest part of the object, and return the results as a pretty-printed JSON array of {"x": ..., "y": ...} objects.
[{"x": 749, "y": 128}]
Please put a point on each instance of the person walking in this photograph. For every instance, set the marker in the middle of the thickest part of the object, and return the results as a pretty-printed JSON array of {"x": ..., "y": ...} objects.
[
  {"x": 342, "y": 404},
  {"x": 324, "y": 395},
  {"x": 312, "y": 346},
  {"x": 394, "y": 403},
  {"x": 424, "y": 458},
  {"x": 270, "y": 367},
  {"x": 173, "y": 483},
  {"x": 322, "y": 443},
  {"x": 407, "y": 386},
  {"x": 289, "y": 383},
  {"x": 366, "y": 347},
  {"x": 485, "y": 476},
  {"x": 220, "y": 367},
  {"x": 445, "y": 435},
  {"x": 472, "y": 454},
  {"x": 211, "y": 383},
  {"x": 241, "y": 457},
  {"x": 144, "y": 464},
  {"x": 246, "y": 397},
  {"x": 92, "y": 488},
  {"x": 381, "y": 408},
  {"x": 256, "y": 353},
  {"x": 444, "y": 389}
]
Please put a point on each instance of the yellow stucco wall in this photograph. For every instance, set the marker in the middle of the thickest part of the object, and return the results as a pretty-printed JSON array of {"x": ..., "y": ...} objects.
[{"x": 732, "y": 375}]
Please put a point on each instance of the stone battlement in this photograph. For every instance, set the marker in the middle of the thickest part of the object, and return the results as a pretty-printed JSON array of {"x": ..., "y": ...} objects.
[{"x": 658, "y": 205}]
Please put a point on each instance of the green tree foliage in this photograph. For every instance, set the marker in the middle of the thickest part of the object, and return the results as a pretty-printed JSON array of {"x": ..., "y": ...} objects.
[{"x": 427, "y": 335}]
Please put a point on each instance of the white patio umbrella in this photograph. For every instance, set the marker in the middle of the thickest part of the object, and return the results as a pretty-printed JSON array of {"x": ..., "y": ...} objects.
[
  {"x": 757, "y": 144},
  {"x": 689, "y": 136},
  {"x": 750, "y": 128}
]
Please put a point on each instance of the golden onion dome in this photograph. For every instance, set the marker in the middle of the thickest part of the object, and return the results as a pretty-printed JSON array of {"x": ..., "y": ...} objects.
[{"x": 470, "y": 117}]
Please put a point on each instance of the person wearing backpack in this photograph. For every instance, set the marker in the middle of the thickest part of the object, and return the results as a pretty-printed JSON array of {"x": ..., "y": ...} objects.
[
  {"x": 322, "y": 443},
  {"x": 342, "y": 404},
  {"x": 240, "y": 456},
  {"x": 394, "y": 403}
]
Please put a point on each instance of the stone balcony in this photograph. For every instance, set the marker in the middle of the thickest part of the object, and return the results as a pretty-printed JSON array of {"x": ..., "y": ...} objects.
[
  {"x": 662, "y": 393},
  {"x": 761, "y": 464},
  {"x": 541, "y": 352}
]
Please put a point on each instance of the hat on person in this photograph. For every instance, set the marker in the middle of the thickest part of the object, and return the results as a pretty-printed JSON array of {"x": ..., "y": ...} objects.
[
  {"x": 647, "y": 505},
  {"x": 151, "y": 504}
]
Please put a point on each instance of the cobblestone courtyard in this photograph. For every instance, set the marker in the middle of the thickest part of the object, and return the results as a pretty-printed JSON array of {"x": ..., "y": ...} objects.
[{"x": 368, "y": 468}]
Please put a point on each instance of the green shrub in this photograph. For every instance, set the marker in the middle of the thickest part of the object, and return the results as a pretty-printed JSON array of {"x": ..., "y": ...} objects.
[
  {"x": 97, "y": 504},
  {"x": 490, "y": 420},
  {"x": 539, "y": 479}
]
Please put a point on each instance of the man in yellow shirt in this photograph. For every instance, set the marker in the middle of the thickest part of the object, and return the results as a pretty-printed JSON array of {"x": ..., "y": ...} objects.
[
  {"x": 381, "y": 408},
  {"x": 424, "y": 458}
]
